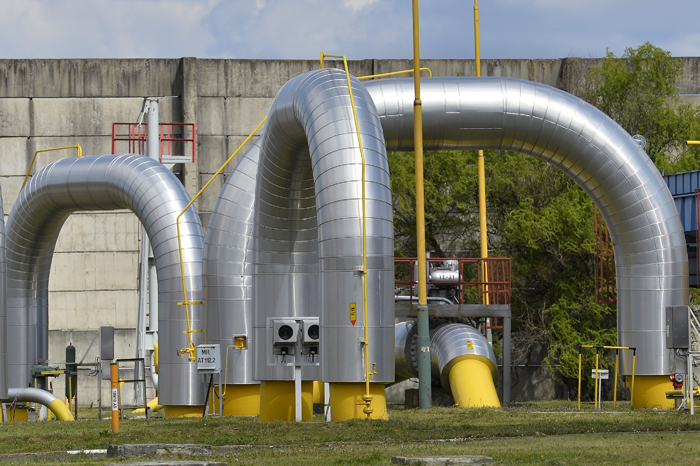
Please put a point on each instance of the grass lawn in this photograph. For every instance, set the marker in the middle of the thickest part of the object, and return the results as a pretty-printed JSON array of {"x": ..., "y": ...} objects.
[{"x": 543, "y": 433}]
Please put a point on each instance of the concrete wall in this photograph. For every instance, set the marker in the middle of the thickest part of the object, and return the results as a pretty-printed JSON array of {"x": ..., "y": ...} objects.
[{"x": 51, "y": 103}]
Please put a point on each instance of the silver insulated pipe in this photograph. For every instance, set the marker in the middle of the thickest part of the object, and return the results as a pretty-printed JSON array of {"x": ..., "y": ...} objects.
[
  {"x": 570, "y": 134},
  {"x": 228, "y": 275},
  {"x": 105, "y": 182},
  {"x": 308, "y": 227},
  {"x": 3, "y": 307}
]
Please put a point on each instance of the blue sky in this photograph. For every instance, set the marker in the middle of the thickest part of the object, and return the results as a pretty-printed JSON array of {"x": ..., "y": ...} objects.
[{"x": 357, "y": 28}]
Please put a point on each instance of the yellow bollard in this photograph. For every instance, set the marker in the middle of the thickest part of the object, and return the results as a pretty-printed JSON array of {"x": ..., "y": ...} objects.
[{"x": 114, "y": 376}]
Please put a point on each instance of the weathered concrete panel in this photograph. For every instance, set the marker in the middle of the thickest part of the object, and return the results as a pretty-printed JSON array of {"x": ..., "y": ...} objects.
[
  {"x": 213, "y": 153},
  {"x": 13, "y": 153},
  {"x": 208, "y": 199},
  {"x": 91, "y": 309},
  {"x": 244, "y": 114},
  {"x": 91, "y": 116},
  {"x": 211, "y": 116},
  {"x": 116, "y": 231},
  {"x": 11, "y": 186},
  {"x": 89, "y": 78},
  {"x": 14, "y": 117},
  {"x": 93, "y": 271},
  {"x": 263, "y": 78},
  {"x": 91, "y": 145}
]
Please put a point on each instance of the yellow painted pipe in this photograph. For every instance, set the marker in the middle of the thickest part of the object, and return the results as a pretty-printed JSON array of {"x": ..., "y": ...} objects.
[
  {"x": 471, "y": 382},
  {"x": 59, "y": 409},
  {"x": 239, "y": 400},
  {"x": 152, "y": 405},
  {"x": 347, "y": 401}
]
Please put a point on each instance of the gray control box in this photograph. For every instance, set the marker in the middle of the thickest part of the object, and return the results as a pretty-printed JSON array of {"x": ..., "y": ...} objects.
[{"x": 677, "y": 327}]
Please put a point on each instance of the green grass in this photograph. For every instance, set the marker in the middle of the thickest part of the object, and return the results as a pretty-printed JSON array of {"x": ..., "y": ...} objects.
[{"x": 542, "y": 433}]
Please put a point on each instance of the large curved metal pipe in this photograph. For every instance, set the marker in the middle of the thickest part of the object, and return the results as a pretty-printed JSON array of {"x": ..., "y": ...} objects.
[
  {"x": 228, "y": 268},
  {"x": 105, "y": 182},
  {"x": 308, "y": 227},
  {"x": 3, "y": 307},
  {"x": 36, "y": 395},
  {"x": 570, "y": 134}
]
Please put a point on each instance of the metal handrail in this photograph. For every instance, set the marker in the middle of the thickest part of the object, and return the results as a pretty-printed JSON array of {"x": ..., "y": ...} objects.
[
  {"x": 77, "y": 147},
  {"x": 393, "y": 73},
  {"x": 617, "y": 353}
]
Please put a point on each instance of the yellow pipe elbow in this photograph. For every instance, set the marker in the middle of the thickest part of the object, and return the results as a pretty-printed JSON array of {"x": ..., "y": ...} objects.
[
  {"x": 60, "y": 410},
  {"x": 471, "y": 382}
]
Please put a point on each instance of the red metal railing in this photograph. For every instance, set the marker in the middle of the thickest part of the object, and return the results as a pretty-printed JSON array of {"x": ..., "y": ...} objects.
[
  {"x": 473, "y": 287},
  {"x": 170, "y": 139},
  {"x": 480, "y": 281},
  {"x": 604, "y": 261}
]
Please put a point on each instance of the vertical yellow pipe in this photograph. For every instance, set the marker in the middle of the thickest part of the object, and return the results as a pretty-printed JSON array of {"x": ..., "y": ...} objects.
[
  {"x": 423, "y": 339},
  {"x": 634, "y": 364},
  {"x": 617, "y": 357},
  {"x": 418, "y": 143},
  {"x": 595, "y": 396},
  {"x": 579, "y": 380},
  {"x": 481, "y": 171}
]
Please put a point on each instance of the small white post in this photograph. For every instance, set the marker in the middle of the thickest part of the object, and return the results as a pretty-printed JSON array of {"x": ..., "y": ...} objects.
[
  {"x": 297, "y": 392},
  {"x": 327, "y": 401}
]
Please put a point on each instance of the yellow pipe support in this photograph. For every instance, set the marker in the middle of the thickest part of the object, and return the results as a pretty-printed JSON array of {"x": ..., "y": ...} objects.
[
  {"x": 186, "y": 303},
  {"x": 318, "y": 392},
  {"x": 277, "y": 401},
  {"x": 77, "y": 147},
  {"x": 18, "y": 414},
  {"x": 240, "y": 400},
  {"x": 152, "y": 405},
  {"x": 59, "y": 409},
  {"x": 183, "y": 411},
  {"x": 471, "y": 382},
  {"x": 595, "y": 396},
  {"x": 347, "y": 401},
  {"x": 579, "y": 380},
  {"x": 617, "y": 359},
  {"x": 394, "y": 73},
  {"x": 650, "y": 392},
  {"x": 368, "y": 375}
]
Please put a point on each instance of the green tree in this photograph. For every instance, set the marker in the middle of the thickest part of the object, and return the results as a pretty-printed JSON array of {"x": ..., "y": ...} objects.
[{"x": 639, "y": 92}]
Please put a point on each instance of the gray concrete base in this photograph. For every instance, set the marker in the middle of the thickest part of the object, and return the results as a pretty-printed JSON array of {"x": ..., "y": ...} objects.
[
  {"x": 156, "y": 449},
  {"x": 442, "y": 460}
]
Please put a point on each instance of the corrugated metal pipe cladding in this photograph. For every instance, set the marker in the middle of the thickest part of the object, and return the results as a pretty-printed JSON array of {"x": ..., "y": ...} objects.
[
  {"x": 592, "y": 149},
  {"x": 3, "y": 307},
  {"x": 105, "y": 182}
]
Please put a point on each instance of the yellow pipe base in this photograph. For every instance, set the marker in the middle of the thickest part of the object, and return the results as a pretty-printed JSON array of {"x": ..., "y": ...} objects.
[
  {"x": 61, "y": 411},
  {"x": 277, "y": 401},
  {"x": 318, "y": 392},
  {"x": 183, "y": 411},
  {"x": 19, "y": 415},
  {"x": 347, "y": 402},
  {"x": 152, "y": 405},
  {"x": 471, "y": 382},
  {"x": 239, "y": 400},
  {"x": 650, "y": 392}
]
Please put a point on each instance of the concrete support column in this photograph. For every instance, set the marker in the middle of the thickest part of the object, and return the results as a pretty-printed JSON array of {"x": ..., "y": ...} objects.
[{"x": 188, "y": 68}]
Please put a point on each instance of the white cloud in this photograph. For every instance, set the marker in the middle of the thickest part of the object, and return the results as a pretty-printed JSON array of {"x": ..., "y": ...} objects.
[{"x": 357, "y": 5}]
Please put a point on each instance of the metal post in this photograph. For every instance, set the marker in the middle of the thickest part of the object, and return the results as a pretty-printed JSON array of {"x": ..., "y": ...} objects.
[
  {"x": 99, "y": 390},
  {"x": 579, "y": 377},
  {"x": 297, "y": 392},
  {"x": 595, "y": 390},
  {"x": 506, "y": 359},
  {"x": 327, "y": 401},
  {"x": 114, "y": 378},
  {"x": 617, "y": 357},
  {"x": 424, "y": 382}
]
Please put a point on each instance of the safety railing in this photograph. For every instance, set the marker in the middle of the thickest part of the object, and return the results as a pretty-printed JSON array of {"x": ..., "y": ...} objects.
[
  {"x": 604, "y": 259},
  {"x": 79, "y": 153},
  {"x": 172, "y": 139},
  {"x": 472, "y": 284},
  {"x": 597, "y": 378}
]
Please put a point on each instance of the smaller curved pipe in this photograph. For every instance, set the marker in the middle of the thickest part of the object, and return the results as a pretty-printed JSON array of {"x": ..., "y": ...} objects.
[
  {"x": 37, "y": 395},
  {"x": 460, "y": 358}
]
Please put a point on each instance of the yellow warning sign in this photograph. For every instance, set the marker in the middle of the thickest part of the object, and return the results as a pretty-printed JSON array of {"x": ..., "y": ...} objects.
[
  {"x": 469, "y": 345},
  {"x": 353, "y": 313}
]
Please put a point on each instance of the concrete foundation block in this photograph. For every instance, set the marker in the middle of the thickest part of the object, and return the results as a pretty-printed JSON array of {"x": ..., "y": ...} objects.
[
  {"x": 156, "y": 449},
  {"x": 14, "y": 117},
  {"x": 442, "y": 460}
]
